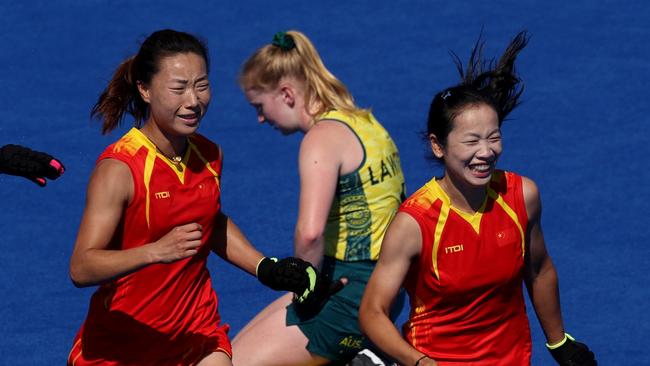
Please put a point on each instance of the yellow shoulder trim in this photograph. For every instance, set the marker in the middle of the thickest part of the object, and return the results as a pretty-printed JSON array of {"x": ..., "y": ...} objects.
[
  {"x": 136, "y": 135},
  {"x": 179, "y": 168},
  {"x": 148, "y": 170},
  {"x": 440, "y": 226},
  {"x": 474, "y": 219}
]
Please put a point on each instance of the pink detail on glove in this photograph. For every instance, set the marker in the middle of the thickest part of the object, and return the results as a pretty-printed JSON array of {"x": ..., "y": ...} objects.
[{"x": 56, "y": 165}]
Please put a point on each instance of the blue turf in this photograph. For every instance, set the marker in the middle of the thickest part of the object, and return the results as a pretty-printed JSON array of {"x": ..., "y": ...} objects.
[{"x": 581, "y": 134}]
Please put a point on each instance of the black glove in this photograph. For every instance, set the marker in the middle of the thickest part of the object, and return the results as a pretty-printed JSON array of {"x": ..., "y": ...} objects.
[
  {"x": 288, "y": 274},
  {"x": 33, "y": 165},
  {"x": 572, "y": 353},
  {"x": 310, "y": 305}
]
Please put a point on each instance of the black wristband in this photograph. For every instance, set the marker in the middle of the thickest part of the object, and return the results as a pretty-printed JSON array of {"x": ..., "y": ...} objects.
[
  {"x": 264, "y": 271},
  {"x": 420, "y": 359}
]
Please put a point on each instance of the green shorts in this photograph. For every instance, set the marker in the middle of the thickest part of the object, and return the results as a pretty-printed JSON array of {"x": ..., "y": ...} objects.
[{"x": 334, "y": 332}]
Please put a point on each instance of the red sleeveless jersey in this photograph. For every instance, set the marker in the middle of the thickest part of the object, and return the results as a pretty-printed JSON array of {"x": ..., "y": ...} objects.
[
  {"x": 466, "y": 288},
  {"x": 163, "y": 313}
]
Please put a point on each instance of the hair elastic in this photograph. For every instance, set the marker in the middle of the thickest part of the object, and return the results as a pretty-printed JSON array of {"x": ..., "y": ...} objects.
[{"x": 284, "y": 41}]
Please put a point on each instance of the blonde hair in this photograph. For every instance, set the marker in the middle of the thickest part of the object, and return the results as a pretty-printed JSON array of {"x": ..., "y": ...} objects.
[{"x": 270, "y": 63}]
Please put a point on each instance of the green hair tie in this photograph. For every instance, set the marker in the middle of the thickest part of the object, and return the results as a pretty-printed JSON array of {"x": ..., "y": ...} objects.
[{"x": 284, "y": 41}]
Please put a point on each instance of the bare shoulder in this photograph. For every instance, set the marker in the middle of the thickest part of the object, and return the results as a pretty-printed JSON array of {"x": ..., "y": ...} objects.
[
  {"x": 403, "y": 238},
  {"x": 111, "y": 179},
  {"x": 328, "y": 134},
  {"x": 112, "y": 171},
  {"x": 531, "y": 197},
  {"x": 334, "y": 142}
]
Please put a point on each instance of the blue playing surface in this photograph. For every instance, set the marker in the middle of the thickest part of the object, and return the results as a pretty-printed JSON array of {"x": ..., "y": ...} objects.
[{"x": 581, "y": 134}]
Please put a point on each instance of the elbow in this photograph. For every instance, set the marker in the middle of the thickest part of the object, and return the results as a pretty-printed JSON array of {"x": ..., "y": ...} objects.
[
  {"x": 309, "y": 246},
  {"x": 543, "y": 269},
  {"x": 307, "y": 237},
  {"x": 373, "y": 310},
  {"x": 78, "y": 277},
  {"x": 77, "y": 281},
  {"x": 79, "y": 284},
  {"x": 366, "y": 315}
]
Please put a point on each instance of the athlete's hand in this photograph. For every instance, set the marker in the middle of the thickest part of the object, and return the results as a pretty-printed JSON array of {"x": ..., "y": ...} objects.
[
  {"x": 33, "y": 165},
  {"x": 572, "y": 353},
  {"x": 287, "y": 274},
  {"x": 181, "y": 242},
  {"x": 311, "y": 304}
]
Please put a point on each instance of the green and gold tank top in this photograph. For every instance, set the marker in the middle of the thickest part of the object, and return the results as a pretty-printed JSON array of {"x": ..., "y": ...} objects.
[{"x": 367, "y": 199}]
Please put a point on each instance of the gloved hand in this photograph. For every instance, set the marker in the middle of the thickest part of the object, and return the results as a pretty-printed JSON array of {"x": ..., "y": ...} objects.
[
  {"x": 572, "y": 353},
  {"x": 312, "y": 304},
  {"x": 33, "y": 165},
  {"x": 288, "y": 274}
]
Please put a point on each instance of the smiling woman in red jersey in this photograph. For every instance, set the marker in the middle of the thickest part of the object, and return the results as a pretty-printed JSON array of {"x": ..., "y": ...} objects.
[{"x": 463, "y": 245}]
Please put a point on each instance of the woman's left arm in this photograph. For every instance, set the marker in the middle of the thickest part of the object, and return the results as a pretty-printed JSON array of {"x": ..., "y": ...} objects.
[
  {"x": 231, "y": 244},
  {"x": 540, "y": 275},
  {"x": 287, "y": 274},
  {"x": 319, "y": 165}
]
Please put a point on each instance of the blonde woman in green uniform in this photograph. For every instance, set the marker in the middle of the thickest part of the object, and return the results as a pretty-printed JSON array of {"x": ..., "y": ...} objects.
[{"x": 351, "y": 184}]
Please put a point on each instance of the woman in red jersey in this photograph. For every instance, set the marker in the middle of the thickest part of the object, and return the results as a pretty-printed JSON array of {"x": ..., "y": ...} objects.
[
  {"x": 462, "y": 244},
  {"x": 153, "y": 215}
]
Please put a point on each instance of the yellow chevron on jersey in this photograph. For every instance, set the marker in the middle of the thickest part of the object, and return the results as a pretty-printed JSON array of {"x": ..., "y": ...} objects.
[
  {"x": 432, "y": 193},
  {"x": 367, "y": 199},
  {"x": 132, "y": 143}
]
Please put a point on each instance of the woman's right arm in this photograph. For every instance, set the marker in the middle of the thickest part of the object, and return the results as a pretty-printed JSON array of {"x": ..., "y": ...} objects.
[
  {"x": 401, "y": 245},
  {"x": 109, "y": 191}
]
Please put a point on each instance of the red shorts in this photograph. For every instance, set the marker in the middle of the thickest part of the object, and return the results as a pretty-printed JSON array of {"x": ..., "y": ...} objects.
[{"x": 112, "y": 352}]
